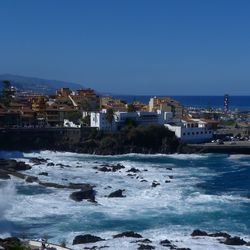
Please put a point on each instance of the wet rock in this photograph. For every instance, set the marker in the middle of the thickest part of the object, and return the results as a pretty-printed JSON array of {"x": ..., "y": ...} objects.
[
  {"x": 31, "y": 179},
  {"x": 83, "y": 186},
  {"x": 142, "y": 241},
  {"x": 198, "y": 232},
  {"x": 52, "y": 185},
  {"x": 13, "y": 165},
  {"x": 117, "y": 193},
  {"x": 86, "y": 194},
  {"x": 234, "y": 241},
  {"x": 145, "y": 247},
  {"x": 134, "y": 170},
  {"x": 4, "y": 176},
  {"x": 155, "y": 184},
  {"x": 131, "y": 234},
  {"x": 38, "y": 161},
  {"x": 131, "y": 174},
  {"x": 220, "y": 234},
  {"x": 51, "y": 164},
  {"x": 43, "y": 173},
  {"x": 87, "y": 238},
  {"x": 166, "y": 243},
  {"x": 110, "y": 168},
  {"x": 10, "y": 242}
]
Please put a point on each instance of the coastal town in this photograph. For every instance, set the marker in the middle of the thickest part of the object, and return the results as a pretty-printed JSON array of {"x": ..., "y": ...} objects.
[{"x": 84, "y": 109}]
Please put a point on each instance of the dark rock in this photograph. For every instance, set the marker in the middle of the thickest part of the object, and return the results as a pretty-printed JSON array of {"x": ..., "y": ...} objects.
[
  {"x": 169, "y": 168},
  {"x": 44, "y": 173},
  {"x": 87, "y": 238},
  {"x": 31, "y": 179},
  {"x": 38, "y": 161},
  {"x": 166, "y": 243},
  {"x": 110, "y": 168},
  {"x": 145, "y": 247},
  {"x": 220, "y": 234},
  {"x": 51, "y": 164},
  {"x": 171, "y": 177},
  {"x": 128, "y": 234},
  {"x": 144, "y": 181},
  {"x": 234, "y": 241},
  {"x": 117, "y": 193},
  {"x": 83, "y": 186},
  {"x": 86, "y": 194},
  {"x": 52, "y": 185},
  {"x": 134, "y": 170},
  {"x": 4, "y": 176},
  {"x": 183, "y": 248},
  {"x": 248, "y": 244},
  {"x": 155, "y": 184},
  {"x": 198, "y": 232},
  {"x": 12, "y": 165},
  {"x": 167, "y": 181},
  {"x": 10, "y": 242},
  {"x": 131, "y": 174},
  {"x": 142, "y": 241}
]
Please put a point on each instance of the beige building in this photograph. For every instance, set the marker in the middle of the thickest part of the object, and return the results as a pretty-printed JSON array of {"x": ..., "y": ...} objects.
[{"x": 166, "y": 104}]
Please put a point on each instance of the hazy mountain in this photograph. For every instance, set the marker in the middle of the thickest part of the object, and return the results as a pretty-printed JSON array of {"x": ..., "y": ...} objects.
[{"x": 37, "y": 85}]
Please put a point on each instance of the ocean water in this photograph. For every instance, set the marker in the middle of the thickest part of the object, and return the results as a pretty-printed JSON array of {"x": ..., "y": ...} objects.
[
  {"x": 208, "y": 192},
  {"x": 241, "y": 103}
]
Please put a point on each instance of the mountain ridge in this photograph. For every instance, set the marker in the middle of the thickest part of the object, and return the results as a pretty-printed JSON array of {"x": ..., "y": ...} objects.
[{"x": 38, "y": 85}]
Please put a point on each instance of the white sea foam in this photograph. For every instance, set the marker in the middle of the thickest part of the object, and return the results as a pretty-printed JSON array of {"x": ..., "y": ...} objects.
[
  {"x": 7, "y": 194},
  {"x": 178, "y": 199}
]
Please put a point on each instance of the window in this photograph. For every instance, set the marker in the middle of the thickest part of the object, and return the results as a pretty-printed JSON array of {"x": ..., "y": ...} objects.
[
  {"x": 192, "y": 133},
  {"x": 184, "y": 134},
  {"x": 197, "y": 133},
  {"x": 188, "y": 133}
]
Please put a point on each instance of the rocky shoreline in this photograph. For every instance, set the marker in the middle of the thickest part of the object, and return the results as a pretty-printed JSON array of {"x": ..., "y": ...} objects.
[
  {"x": 88, "y": 241},
  {"x": 86, "y": 192}
]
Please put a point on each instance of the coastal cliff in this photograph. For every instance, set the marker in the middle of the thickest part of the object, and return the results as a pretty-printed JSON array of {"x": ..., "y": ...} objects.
[{"x": 148, "y": 140}]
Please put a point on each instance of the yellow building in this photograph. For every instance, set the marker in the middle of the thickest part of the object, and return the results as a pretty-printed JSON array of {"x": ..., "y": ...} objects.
[{"x": 166, "y": 104}]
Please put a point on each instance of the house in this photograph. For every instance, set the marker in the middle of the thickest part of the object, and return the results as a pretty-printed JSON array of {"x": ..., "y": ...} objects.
[
  {"x": 166, "y": 104},
  {"x": 99, "y": 120},
  {"x": 143, "y": 118},
  {"x": 191, "y": 130}
]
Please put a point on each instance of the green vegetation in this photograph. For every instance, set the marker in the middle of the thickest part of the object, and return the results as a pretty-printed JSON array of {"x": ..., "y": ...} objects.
[
  {"x": 147, "y": 139},
  {"x": 131, "y": 108},
  {"x": 6, "y": 95},
  {"x": 74, "y": 116},
  {"x": 232, "y": 123},
  {"x": 110, "y": 116}
]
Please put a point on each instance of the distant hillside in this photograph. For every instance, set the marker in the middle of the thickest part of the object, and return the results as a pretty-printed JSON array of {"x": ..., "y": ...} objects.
[{"x": 37, "y": 85}]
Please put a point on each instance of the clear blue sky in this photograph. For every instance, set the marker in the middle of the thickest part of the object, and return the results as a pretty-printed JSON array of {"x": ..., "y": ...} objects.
[{"x": 167, "y": 47}]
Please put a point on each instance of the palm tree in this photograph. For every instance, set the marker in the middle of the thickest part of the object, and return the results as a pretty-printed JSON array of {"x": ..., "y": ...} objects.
[
  {"x": 6, "y": 93},
  {"x": 110, "y": 117}
]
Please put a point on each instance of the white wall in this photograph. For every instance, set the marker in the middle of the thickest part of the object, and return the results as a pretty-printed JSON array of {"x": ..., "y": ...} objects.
[{"x": 191, "y": 135}]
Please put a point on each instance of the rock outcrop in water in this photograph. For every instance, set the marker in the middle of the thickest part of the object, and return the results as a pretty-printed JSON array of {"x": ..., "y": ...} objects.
[
  {"x": 84, "y": 194},
  {"x": 131, "y": 234},
  {"x": 87, "y": 238},
  {"x": 118, "y": 193}
]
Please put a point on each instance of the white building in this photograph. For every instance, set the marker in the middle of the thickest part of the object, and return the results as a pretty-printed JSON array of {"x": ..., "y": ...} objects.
[
  {"x": 191, "y": 131},
  {"x": 98, "y": 120}
]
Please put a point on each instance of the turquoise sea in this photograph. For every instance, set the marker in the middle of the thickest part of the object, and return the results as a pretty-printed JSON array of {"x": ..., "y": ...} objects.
[{"x": 206, "y": 191}]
